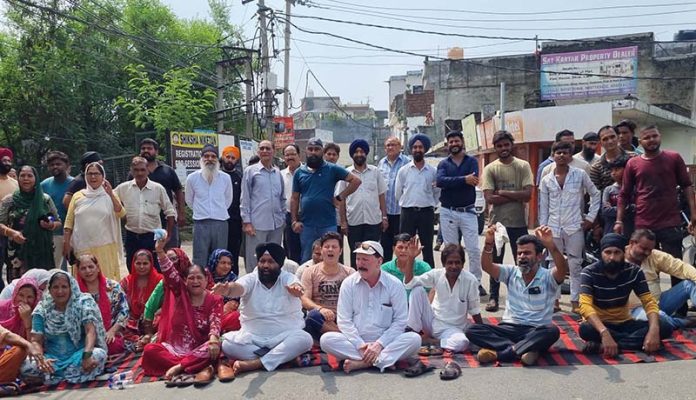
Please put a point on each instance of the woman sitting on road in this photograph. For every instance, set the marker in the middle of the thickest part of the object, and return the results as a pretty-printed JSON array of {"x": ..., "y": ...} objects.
[
  {"x": 138, "y": 287},
  {"x": 110, "y": 298},
  {"x": 220, "y": 271},
  {"x": 40, "y": 276},
  {"x": 68, "y": 329},
  {"x": 15, "y": 314}
]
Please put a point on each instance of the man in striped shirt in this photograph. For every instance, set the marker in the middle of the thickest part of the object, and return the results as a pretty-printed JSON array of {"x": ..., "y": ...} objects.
[
  {"x": 526, "y": 329},
  {"x": 605, "y": 288}
]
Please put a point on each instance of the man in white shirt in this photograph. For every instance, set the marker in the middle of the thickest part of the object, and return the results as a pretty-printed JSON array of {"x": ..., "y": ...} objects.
[
  {"x": 263, "y": 203},
  {"x": 561, "y": 205},
  {"x": 209, "y": 195},
  {"x": 418, "y": 196},
  {"x": 291, "y": 240},
  {"x": 143, "y": 200},
  {"x": 364, "y": 213},
  {"x": 456, "y": 296},
  {"x": 371, "y": 316},
  {"x": 270, "y": 313},
  {"x": 568, "y": 137}
]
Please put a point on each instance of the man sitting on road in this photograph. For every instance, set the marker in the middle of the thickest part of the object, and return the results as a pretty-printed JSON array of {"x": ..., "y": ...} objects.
[
  {"x": 404, "y": 261},
  {"x": 606, "y": 285},
  {"x": 526, "y": 329},
  {"x": 456, "y": 296},
  {"x": 641, "y": 251},
  {"x": 270, "y": 314},
  {"x": 322, "y": 283},
  {"x": 372, "y": 313}
]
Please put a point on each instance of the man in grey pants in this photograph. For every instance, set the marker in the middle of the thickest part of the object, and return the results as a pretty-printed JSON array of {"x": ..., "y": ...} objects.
[
  {"x": 209, "y": 195},
  {"x": 263, "y": 204}
]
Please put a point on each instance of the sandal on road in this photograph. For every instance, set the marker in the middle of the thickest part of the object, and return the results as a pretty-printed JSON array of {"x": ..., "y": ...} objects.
[
  {"x": 186, "y": 380},
  {"x": 417, "y": 369},
  {"x": 174, "y": 382},
  {"x": 430, "y": 350},
  {"x": 451, "y": 371}
]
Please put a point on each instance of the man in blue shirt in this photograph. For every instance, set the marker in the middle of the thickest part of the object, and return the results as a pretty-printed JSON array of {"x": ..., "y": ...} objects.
[
  {"x": 389, "y": 167},
  {"x": 55, "y": 186},
  {"x": 313, "y": 193},
  {"x": 457, "y": 176}
]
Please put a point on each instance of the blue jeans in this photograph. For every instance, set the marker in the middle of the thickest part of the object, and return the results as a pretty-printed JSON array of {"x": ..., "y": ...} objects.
[
  {"x": 313, "y": 324},
  {"x": 307, "y": 237},
  {"x": 670, "y": 301}
]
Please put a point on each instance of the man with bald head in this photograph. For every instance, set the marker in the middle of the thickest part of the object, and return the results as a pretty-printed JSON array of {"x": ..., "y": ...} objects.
[
  {"x": 270, "y": 313},
  {"x": 263, "y": 203},
  {"x": 389, "y": 166}
]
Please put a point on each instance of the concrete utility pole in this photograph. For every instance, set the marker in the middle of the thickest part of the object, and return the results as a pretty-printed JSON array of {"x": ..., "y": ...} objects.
[
  {"x": 502, "y": 106},
  {"x": 220, "y": 72},
  {"x": 266, "y": 71},
  {"x": 249, "y": 101},
  {"x": 286, "y": 73}
]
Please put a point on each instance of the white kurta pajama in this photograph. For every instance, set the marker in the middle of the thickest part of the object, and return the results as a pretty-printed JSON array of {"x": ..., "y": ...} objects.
[
  {"x": 366, "y": 315},
  {"x": 447, "y": 318},
  {"x": 270, "y": 318}
]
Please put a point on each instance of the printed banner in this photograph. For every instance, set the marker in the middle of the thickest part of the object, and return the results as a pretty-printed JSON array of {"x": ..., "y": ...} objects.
[{"x": 186, "y": 150}]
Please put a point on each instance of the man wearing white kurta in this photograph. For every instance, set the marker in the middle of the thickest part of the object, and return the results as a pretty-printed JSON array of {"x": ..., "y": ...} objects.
[
  {"x": 371, "y": 316},
  {"x": 271, "y": 315},
  {"x": 456, "y": 296}
]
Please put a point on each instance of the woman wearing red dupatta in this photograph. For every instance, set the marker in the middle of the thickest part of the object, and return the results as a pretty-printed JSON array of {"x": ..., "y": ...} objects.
[
  {"x": 15, "y": 314},
  {"x": 138, "y": 286},
  {"x": 189, "y": 329}
]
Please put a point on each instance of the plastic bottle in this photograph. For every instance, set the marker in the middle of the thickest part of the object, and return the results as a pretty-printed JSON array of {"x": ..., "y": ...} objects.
[
  {"x": 121, "y": 376},
  {"x": 121, "y": 385}
]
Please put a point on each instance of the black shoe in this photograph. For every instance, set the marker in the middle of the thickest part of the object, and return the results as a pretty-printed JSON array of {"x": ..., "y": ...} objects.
[
  {"x": 492, "y": 305},
  {"x": 482, "y": 291}
]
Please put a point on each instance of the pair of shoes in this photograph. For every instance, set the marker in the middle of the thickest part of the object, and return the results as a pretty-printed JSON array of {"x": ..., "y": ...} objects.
[
  {"x": 486, "y": 356},
  {"x": 417, "y": 369},
  {"x": 482, "y": 291},
  {"x": 492, "y": 305},
  {"x": 529, "y": 358},
  {"x": 225, "y": 372},
  {"x": 430, "y": 350},
  {"x": 592, "y": 348},
  {"x": 204, "y": 377}
]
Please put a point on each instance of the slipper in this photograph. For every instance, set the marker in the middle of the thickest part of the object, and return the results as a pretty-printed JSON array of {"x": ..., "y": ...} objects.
[
  {"x": 174, "y": 382},
  {"x": 424, "y": 351},
  {"x": 9, "y": 389},
  {"x": 186, "y": 380},
  {"x": 451, "y": 371},
  {"x": 204, "y": 377},
  {"x": 436, "y": 351},
  {"x": 417, "y": 369}
]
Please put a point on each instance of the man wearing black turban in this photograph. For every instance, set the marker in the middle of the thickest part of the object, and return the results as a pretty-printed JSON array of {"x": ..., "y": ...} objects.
[
  {"x": 605, "y": 287},
  {"x": 271, "y": 310}
]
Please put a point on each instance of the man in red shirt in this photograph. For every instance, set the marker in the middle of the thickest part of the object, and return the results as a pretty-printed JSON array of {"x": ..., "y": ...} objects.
[{"x": 654, "y": 177}]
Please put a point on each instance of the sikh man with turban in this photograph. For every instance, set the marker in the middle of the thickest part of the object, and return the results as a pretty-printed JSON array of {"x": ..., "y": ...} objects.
[
  {"x": 232, "y": 166},
  {"x": 270, "y": 314},
  {"x": 418, "y": 196},
  {"x": 364, "y": 213}
]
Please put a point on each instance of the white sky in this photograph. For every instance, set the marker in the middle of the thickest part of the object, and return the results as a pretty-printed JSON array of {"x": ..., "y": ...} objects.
[{"x": 359, "y": 75}]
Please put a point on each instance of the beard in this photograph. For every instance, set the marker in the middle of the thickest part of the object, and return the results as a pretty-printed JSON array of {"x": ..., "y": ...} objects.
[
  {"x": 455, "y": 150},
  {"x": 5, "y": 169},
  {"x": 418, "y": 157},
  {"x": 228, "y": 166},
  {"x": 314, "y": 162},
  {"x": 612, "y": 267},
  {"x": 359, "y": 160},
  {"x": 269, "y": 277},
  {"x": 588, "y": 154},
  {"x": 149, "y": 157},
  {"x": 525, "y": 266},
  {"x": 209, "y": 170}
]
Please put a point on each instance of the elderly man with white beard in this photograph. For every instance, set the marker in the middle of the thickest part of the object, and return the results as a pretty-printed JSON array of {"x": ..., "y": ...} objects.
[{"x": 209, "y": 195}]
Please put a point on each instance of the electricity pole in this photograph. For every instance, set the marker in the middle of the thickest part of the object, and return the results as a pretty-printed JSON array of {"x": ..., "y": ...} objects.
[
  {"x": 266, "y": 72},
  {"x": 286, "y": 75}
]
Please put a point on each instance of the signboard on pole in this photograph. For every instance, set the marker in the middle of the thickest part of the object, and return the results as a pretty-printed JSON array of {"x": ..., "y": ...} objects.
[
  {"x": 247, "y": 148},
  {"x": 287, "y": 136},
  {"x": 186, "y": 150},
  {"x": 589, "y": 73}
]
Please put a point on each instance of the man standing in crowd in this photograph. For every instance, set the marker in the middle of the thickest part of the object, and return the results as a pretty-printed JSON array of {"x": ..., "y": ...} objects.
[
  {"x": 364, "y": 213},
  {"x": 526, "y": 329},
  {"x": 457, "y": 176},
  {"x": 55, "y": 186},
  {"x": 653, "y": 178},
  {"x": 416, "y": 191},
  {"x": 561, "y": 207},
  {"x": 291, "y": 240},
  {"x": 390, "y": 165},
  {"x": 232, "y": 166},
  {"x": 270, "y": 313},
  {"x": 313, "y": 192},
  {"x": 372, "y": 313},
  {"x": 263, "y": 203},
  {"x": 606, "y": 286},
  {"x": 626, "y": 130},
  {"x": 600, "y": 173},
  {"x": 589, "y": 148},
  {"x": 8, "y": 185},
  {"x": 507, "y": 186},
  {"x": 143, "y": 200},
  {"x": 165, "y": 175},
  {"x": 332, "y": 152},
  {"x": 209, "y": 194},
  {"x": 79, "y": 182},
  {"x": 568, "y": 137}
]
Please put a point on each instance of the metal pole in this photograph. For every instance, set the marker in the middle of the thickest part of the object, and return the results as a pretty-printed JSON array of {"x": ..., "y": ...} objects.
[
  {"x": 249, "y": 102},
  {"x": 265, "y": 63},
  {"x": 220, "y": 72},
  {"x": 502, "y": 106},
  {"x": 286, "y": 75}
]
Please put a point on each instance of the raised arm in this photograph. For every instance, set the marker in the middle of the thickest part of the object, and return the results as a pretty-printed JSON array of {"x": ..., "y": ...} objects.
[{"x": 487, "y": 263}]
